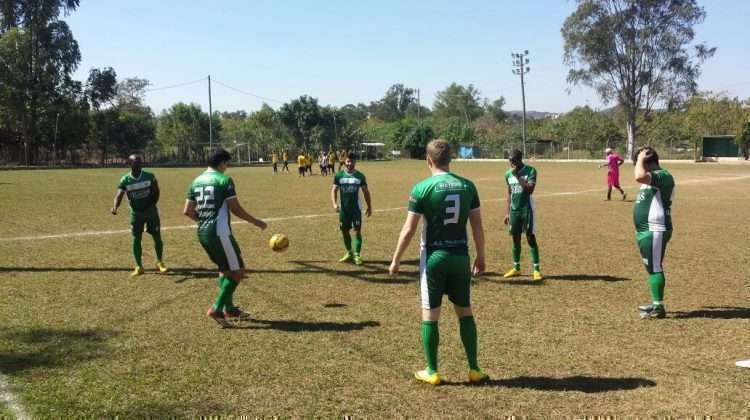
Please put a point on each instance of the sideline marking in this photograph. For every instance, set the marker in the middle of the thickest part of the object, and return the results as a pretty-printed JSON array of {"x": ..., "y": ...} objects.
[
  {"x": 10, "y": 400},
  {"x": 314, "y": 216}
]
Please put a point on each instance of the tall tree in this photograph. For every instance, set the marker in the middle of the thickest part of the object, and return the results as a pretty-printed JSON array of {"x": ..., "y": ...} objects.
[
  {"x": 458, "y": 101},
  {"x": 635, "y": 52},
  {"x": 301, "y": 116},
  {"x": 38, "y": 55},
  {"x": 393, "y": 106}
]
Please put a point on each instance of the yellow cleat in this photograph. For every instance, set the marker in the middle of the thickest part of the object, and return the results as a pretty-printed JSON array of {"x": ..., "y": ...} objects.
[
  {"x": 346, "y": 258},
  {"x": 162, "y": 268},
  {"x": 424, "y": 376},
  {"x": 477, "y": 376},
  {"x": 537, "y": 276},
  {"x": 512, "y": 273},
  {"x": 358, "y": 259},
  {"x": 137, "y": 271}
]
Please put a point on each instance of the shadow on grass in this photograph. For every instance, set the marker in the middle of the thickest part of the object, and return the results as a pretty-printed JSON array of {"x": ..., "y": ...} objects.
[
  {"x": 302, "y": 326},
  {"x": 370, "y": 271},
  {"x": 715, "y": 312},
  {"x": 185, "y": 273},
  {"x": 53, "y": 348},
  {"x": 586, "y": 384},
  {"x": 564, "y": 277}
]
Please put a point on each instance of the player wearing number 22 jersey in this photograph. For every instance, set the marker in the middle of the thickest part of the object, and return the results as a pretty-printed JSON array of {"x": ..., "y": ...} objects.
[
  {"x": 210, "y": 200},
  {"x": 652, "y": 217},
  {"x": 445, "y": 202}
]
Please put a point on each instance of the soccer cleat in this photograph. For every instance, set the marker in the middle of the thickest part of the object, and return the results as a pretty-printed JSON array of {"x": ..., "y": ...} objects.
[
  {"x": 217, "y": 316},
  {"x": 652, "y": 311},
  {"x": 347, "y": 258},
  {"x": 358, "y": 259},
  {"x": 137, "y": 271},
  {"x": 162, "y": 268},
  {"x": 624, "y": 196},
  {"x": 512, "y": 273},
  {"x": 477, "y": 376},
  {"x": 236, "y": 314},
  {"x": 427, "y": 377},
  {"x": 537, "y": 276}
]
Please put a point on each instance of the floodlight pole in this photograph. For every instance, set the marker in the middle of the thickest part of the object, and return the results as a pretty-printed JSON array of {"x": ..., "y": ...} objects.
[
  {"x": 520, "y": 62},
  {"x": 210, "y": 118}
]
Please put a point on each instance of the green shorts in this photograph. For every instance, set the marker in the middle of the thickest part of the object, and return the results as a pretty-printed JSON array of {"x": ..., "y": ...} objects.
[
  {"x": 223, "y": 251},
  {"x": 148, "y": 219},
  {"x": 444, "y": 273},
  {"x": 350, "y": 220},
  {"x": 653, "y": 246},
  {"x": 521, "y": 221}
]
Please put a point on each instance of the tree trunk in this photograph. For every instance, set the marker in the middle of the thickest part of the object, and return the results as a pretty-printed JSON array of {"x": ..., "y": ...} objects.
[{"x": 632, "y": 129}]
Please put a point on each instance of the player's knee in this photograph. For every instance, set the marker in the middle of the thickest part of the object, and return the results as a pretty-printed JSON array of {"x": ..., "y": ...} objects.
[
  {"x": 237, "y": 275},
  {"x": 531, "y": 239},
  {"x": 463, "y": 311}
]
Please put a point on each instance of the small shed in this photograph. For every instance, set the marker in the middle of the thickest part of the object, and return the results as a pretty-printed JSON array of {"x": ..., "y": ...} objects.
[{"x": 719, "y": 146}]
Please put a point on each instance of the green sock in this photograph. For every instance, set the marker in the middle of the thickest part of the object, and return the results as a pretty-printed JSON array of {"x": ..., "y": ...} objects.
[
  {"x": 231, "y": 286},
  {"x": 158, "y": 245},
  {"x": 535, "y": 256},
  {"x": 221, "y": 298},
  {"x": 137, "y": 250},
  {"x": 656, "y": 281},
  {"x": 469, "y": 338},
  {"x": 357, "y": 243},
  {"x": 430, "y": 342},
  {"x": 347, "y": 240},
  {"x": 516, "y": 256}
]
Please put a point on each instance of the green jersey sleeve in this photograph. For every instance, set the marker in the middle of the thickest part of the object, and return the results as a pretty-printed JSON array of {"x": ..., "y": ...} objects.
[
  {"x": 657, "y": 180},
  {"x": 475, "y": 200},
  {"x": 363, "y": 180},
  {"x": 123, "y": 183},
  {"x": 191, "y": 192},
  {"x": 531, "y": 177},
  {"x": 230, "y": 191},
  {"x": 336, "y": 179},
  {"x": 415, "y": 198}
]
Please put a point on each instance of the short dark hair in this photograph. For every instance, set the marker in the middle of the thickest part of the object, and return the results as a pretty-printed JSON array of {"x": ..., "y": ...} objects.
[
  {"x": 351, "y": 156},
  {"x": 651, "y": 155},
  {"x": 439, "y": 151},
  {"x": 218, "y": 157},
  {"x": 515, "y": 156}
]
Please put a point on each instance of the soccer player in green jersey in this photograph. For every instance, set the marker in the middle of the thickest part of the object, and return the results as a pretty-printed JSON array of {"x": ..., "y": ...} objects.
[
  {"x": 445, "y": 202},
  {"x": 520, "y": 212},
  {"x": 210, "y": 200},
  {"x": 652, "y": 216},
  {"x": 349, "y": 182},
  {"x": 143, "y": 194}
]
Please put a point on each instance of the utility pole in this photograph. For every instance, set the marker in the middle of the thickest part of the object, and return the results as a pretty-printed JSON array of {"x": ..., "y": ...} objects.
[
  {"x": 54, "y": 143},
  {"x": 210, "y": 119},
  {"x": 520, "y": 67}
]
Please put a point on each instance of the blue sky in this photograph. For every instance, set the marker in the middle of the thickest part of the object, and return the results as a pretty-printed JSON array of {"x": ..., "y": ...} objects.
[{"x": 352, "y": 51}]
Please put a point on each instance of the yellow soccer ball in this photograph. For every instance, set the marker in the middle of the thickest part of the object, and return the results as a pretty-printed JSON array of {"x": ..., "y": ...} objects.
[{"x": 278, "y": 242}]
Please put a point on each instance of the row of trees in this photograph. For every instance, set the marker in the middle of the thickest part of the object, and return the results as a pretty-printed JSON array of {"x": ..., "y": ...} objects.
[{"x": 640, "y": 55}]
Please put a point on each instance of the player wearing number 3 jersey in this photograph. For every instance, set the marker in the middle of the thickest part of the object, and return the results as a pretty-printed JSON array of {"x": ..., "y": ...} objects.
[
  {"x": 210, "y": 200},
  {"x": 445, "y": 202}
]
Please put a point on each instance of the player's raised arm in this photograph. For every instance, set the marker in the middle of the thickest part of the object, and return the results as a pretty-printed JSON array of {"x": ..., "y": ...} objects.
[
  {"x": 477, "y": 232},
  {"x": 366, "y": 193},
  {"x": 404, "y": 239},
  {"x": 118, "y": 200},
  {"x": 236, "y": 208},
  {"x": 642, "y": 175}
]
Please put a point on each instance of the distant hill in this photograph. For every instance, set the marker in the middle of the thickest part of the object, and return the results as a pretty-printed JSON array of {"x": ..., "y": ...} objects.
[{"x": 534, "y": 115}]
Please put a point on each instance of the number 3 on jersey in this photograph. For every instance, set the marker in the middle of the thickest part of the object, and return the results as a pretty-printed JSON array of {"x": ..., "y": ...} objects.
[
  {"x": 204, "y": 197},
  {"x": 453, "y": 210}
]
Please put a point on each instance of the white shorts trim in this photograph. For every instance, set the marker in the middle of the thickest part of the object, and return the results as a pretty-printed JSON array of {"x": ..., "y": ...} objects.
[
  {"x": 425, "y": 295},
  {"x": 657, "y": 242},
  {"x": 226, "y": 243}
]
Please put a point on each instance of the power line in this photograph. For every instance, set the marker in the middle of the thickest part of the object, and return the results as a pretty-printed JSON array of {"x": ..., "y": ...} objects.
[
  {"x": 193, "y": 82},
  {"x": 265, "y": 98}
]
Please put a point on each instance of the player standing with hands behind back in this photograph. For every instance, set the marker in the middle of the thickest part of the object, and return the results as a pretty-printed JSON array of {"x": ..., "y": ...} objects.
[{"x": 446, "y": 202}]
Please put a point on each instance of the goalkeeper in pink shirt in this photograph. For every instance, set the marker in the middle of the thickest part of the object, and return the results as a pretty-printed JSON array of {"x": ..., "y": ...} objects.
[{"x": 613, "y": 173}]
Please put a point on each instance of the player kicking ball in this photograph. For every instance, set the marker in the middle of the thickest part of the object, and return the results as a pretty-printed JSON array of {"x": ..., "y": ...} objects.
[
  {"x": 348, "y": 182},
  {"x": 653, "y": 224},
  {"x": 210, "y": 199},
  {"x": 613, "y": 163},
  {"x": 143, "y": 194},
  {"x": 445, "y": 202},
  {"x": 520, "y": 212}
]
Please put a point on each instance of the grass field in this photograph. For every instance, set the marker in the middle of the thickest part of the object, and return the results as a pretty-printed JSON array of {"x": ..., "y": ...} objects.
[{"x": 79, "y": 337}]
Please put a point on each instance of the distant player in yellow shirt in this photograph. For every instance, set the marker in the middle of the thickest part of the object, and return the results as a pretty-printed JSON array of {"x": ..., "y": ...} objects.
[
  {"x": 275, "y": 162},
  {"x": 302, "y": 164},
  {"x": 308, "y": 163},
  {"x": 286, "y": 162},
  {"x": 342, "y": 159},
  {"x": 332, "y": 158}
]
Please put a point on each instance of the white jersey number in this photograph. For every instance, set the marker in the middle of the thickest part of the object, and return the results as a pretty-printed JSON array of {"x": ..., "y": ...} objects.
[
  {"x": 452, "y": 212},
  {"x": 204, "y": 197}
]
